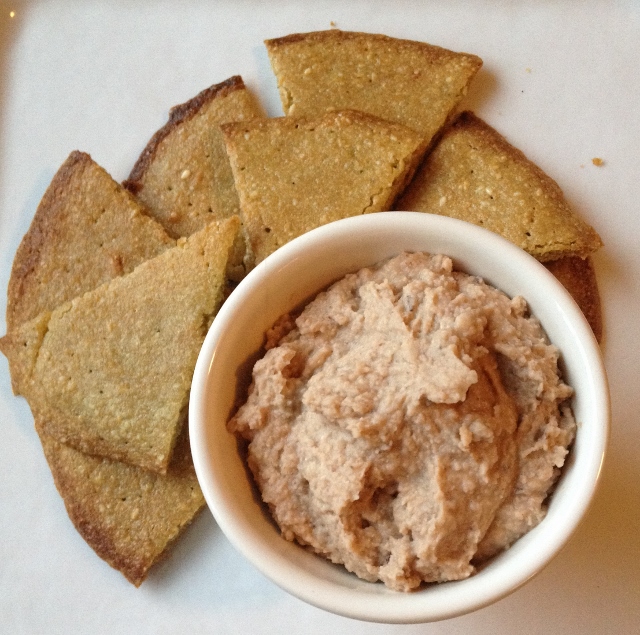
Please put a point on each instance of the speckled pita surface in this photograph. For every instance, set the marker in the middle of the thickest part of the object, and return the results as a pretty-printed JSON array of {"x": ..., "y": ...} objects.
[
  {"x": 293, "y": 175},
  {"x": 474, "y": 174},
  {"x": 183, "y": 175},
  {"x": 128, "y": 516},
  {"x": 86, "y": 230},
  {"x": 408, "y": 82},
  {"x": 112, "y": 372}
]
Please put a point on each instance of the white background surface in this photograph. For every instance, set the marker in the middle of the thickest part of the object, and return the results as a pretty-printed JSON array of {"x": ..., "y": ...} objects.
[{"x": 561, "y": 81}]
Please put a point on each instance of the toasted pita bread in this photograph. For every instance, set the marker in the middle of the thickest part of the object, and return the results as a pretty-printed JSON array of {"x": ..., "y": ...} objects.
[
  {"x": 130, "y": 517},
  {"x": 86, "y": 230},
  {"x": 474, "y": 174},
  {"x": 407, "y": 82},
  {"x": 183, "y": 175},
  {"x": 112, "y": 372},
  {"x": 293, "y": 175}
]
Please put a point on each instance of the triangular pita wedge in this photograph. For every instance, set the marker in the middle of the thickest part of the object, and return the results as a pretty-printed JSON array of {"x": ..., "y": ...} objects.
[
  {"x": 293, "y": 175},
  {"x": 86, "y": 230},
  {"x": 408, "y": 82},
  {"x": 474, "y": 174},
  {"x": 183, "y": 175},
  {"x": 129, "y": 516},
  {"x": 112, "y": 371}
]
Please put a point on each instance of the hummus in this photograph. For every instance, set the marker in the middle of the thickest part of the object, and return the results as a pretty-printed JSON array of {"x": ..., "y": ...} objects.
[{"x": 409, "y": 423}]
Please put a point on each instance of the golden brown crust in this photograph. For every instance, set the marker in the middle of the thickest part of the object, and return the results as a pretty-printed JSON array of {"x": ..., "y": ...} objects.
[
  {"x": 86, "y": 230},
  {"x": 295, "y": 174},
  {"x": 579, "y": 278},
  {"x": 40, "y": 234},
  {"x": 113, "y": 372},
  {"x": 408, "y": 82},
  {"x": 128, "y": 516},
  {"x": 183, "y": 176},
  {"x": 178, "y": 115},
  {"x": 334, "y": 36},
  {"x": 474, "y": 174}
]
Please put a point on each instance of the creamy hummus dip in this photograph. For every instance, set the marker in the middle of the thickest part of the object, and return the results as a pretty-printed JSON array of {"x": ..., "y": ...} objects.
[{"x": 409, "y": 424}]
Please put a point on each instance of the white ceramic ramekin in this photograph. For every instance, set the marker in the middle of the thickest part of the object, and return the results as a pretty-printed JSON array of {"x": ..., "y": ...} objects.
[{"x": 295, "y": 273}]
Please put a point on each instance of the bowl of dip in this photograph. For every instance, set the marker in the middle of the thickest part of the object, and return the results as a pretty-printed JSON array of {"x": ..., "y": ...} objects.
[{"x": 479, "y": 466}]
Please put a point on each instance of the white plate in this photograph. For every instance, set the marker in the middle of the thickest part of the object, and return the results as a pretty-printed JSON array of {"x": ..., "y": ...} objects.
[{"x": 560, "y": 81}]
